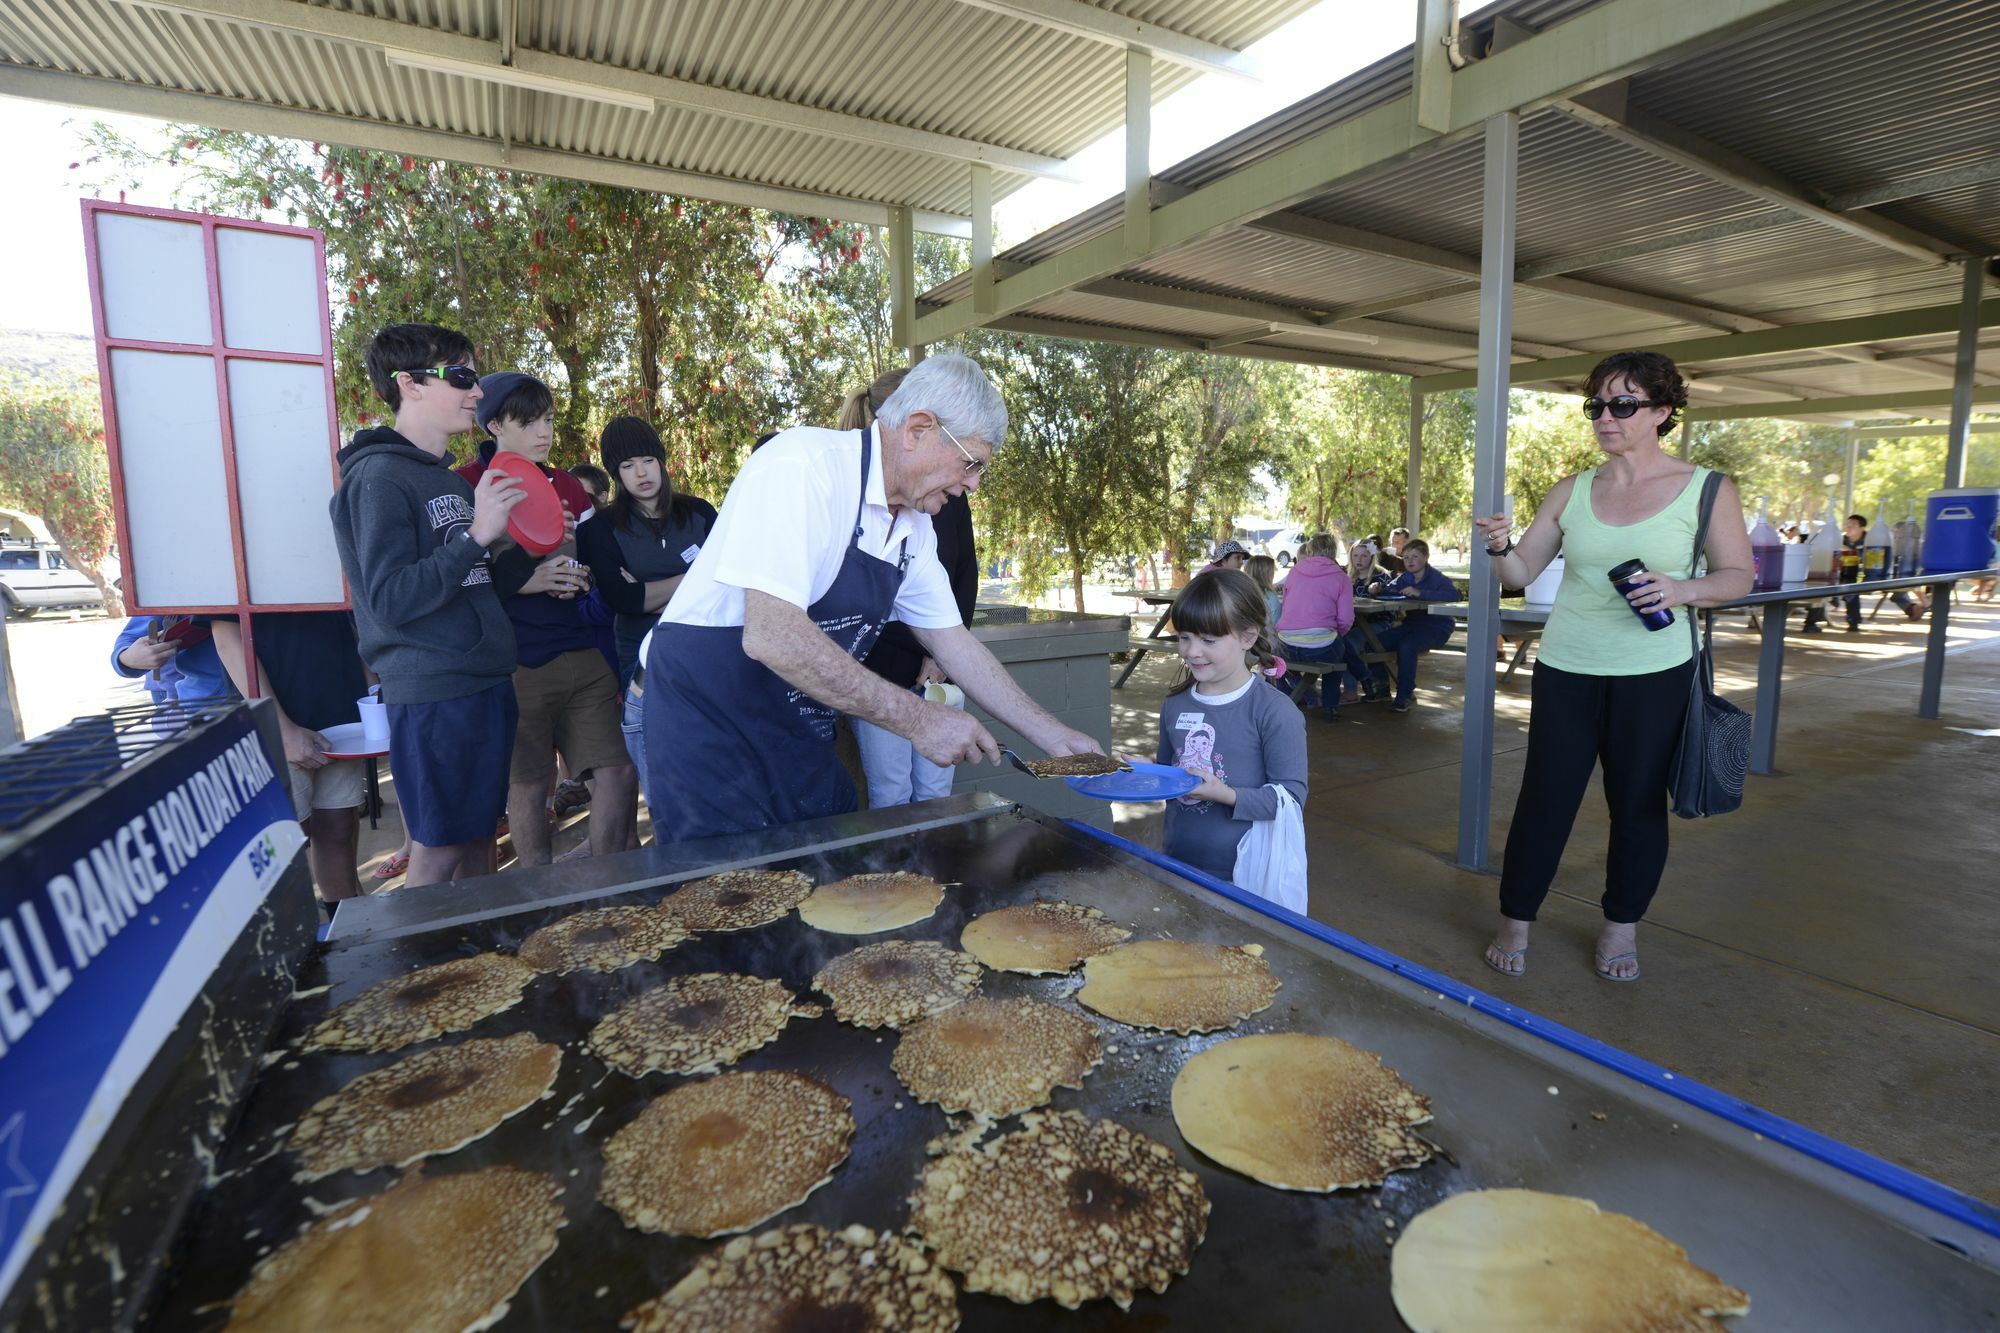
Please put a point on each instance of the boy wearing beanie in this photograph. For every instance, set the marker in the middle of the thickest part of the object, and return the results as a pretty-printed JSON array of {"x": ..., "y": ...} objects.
[
  {"x": 416, "y": 543},
  {"x": 567, "y": 695}
]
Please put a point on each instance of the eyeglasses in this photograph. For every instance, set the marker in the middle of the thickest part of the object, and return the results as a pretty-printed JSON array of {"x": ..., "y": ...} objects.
[
  {"x": 973, "y": 466},
  {"x": 458, "y": 377},
  {"x": 1621, "y": 407}
]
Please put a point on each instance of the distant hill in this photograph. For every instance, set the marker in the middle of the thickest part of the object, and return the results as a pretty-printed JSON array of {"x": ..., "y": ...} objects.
[{"x": 37, "y": 354}]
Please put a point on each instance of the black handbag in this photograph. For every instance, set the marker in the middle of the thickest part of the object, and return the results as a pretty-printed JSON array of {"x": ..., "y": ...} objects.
[{"x": 1713, "y": 758}]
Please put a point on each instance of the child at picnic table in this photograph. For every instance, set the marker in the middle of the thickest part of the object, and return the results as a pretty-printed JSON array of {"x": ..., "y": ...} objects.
[
  {"x": 1417, "y": 633},
  {"x": 1240, "y": 741}
]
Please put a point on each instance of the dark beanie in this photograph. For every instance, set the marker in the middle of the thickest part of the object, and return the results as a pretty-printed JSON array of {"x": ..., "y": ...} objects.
[{"x": 629, "y": 437}]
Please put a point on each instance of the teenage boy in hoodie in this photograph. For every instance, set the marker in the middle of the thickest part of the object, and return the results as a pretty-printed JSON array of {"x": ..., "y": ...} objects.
[
  {"x": 568, "y": 696},
  {"x": 417, "y": 544},
  {"x": 1418, "y": 632}
]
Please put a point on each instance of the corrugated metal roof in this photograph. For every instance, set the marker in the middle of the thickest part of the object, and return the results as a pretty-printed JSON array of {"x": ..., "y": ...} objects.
[
  {"x": 1839, "y": 97},
  {"x": 929, "y": 65}
]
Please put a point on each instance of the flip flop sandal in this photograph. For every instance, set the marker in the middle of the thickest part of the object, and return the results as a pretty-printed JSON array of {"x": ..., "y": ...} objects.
[
  {"x": 395, "y": 865},
  {"x": 1511, "y": 955},
  {"x": 1604, "y": 964}
]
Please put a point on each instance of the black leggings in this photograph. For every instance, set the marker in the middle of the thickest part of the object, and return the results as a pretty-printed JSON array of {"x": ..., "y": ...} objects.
[{"x": 1632, "y": 724}]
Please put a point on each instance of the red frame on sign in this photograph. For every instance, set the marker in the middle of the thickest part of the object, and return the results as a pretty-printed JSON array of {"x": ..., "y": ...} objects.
[{"x": 217, "y": 349}]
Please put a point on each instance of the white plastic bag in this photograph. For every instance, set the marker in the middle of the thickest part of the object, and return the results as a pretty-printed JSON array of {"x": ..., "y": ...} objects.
[{"x": 1271, "y": 858}]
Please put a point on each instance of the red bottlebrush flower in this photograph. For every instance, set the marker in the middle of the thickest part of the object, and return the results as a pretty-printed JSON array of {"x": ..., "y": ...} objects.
[
  {"x": 572, "y": 222},
  {"x": 409, "y": 164},
  {"x": 269, "y": 203}
]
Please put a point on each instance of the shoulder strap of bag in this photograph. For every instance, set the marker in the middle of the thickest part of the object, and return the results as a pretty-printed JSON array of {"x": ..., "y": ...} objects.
[{"x": 1704, "y": 664}]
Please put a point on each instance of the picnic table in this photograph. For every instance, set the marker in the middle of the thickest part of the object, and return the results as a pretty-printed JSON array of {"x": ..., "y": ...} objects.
[{"x": 1153, "y": 640}]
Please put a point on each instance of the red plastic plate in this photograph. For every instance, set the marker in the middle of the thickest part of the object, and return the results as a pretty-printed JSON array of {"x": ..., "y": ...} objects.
[{"x": 536, "y": 522}]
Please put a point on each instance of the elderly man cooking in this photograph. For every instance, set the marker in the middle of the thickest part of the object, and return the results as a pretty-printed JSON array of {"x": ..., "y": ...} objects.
[{"x": 823, "y": 537}]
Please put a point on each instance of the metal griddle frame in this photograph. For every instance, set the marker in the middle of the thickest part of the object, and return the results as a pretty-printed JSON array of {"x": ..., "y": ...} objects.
[{"x": 1823, "y": 1236}]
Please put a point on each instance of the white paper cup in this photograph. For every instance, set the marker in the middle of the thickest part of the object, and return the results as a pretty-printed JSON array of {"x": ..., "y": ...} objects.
[
  {"x": 374, "y": 718},
  {"x": 949, "y": 695}
]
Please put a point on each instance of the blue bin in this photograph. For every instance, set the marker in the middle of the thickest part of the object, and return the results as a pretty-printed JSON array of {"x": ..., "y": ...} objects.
[{"x": 1958, "y": 529}]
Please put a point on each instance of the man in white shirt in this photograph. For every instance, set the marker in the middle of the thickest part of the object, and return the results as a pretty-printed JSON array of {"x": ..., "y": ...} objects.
[{"x": 823, "y": 538}]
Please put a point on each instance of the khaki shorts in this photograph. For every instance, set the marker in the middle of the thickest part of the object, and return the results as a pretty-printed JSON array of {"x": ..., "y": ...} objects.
[
  {"x": 569, "y": 704},
  {"x": 340, "y": 784}
]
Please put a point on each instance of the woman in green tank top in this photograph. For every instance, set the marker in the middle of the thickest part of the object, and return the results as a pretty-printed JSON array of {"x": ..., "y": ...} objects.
[{"x": 1606, "y": 688}]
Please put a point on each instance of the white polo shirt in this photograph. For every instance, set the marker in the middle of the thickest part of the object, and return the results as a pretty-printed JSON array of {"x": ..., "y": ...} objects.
[{"x": 784, "y": 530}]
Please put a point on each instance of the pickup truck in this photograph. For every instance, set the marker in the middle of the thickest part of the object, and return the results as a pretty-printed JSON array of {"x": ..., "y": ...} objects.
[{"x": 34, "y": 577}]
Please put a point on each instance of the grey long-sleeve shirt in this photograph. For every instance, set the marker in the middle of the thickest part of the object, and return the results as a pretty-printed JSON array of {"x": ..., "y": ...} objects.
[{"x": 1249, "y": 740}]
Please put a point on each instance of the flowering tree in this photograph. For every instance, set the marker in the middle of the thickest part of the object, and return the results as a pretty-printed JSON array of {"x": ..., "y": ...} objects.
[{"x": 52, "y": 465}]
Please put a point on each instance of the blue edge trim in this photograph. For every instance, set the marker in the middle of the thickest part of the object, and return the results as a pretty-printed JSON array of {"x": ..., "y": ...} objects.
[{"x": 1866, "y": 1166}]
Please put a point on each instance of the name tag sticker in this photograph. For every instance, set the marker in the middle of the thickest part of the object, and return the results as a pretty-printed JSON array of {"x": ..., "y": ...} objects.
[
  {"x": 1188, "y": 722},
  {"x": 691, "y": 552}
]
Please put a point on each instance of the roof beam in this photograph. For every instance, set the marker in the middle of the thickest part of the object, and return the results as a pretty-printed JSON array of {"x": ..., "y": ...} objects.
[
  {"x": 1067, "y": 328},
  {"x": 1873, "y": 402},
  {"x": 498, "y": 61},
  {"x": 228, "y": 113},
  {"x": 1918, "y": 430},
  {"x": 1101, "y": 25},
  {"x": 1601, "y": 44},
  {"x": 1298, "y": 319},
  {"x": 1921, "y": 322}
]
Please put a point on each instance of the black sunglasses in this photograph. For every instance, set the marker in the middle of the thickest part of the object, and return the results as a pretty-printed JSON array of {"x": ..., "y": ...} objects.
[
  {"x": 1621, "y": 407},
  {"x": 465, "y": 377}
]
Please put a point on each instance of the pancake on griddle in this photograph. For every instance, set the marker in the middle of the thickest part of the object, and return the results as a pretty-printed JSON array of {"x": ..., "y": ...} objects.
[
  {"x": 868, "y": 904},
  {"x": 737, "y": 899},
  {"x": 696, "y": 1023},
  {"x": 435, "y": 1101},
  {"x": 440, "y": 1253},
  {"x": 726, "y": 1153},
  {"x": 1075, "y": 766},
  {"x": 803, "y": 1279},
  {"x": 426, "y": 1003},
  {"x": 993, "y": 1058},
  {"x": 1300, "y": 1112},
  {"x": 1178, "y": 986},
  {"x": 1038, "y": 938},
  {"x": 1521, "y": 1259},
  {"x": 1065, "y": 1209},
  {"x": 897, "y": 981},
  {"x": 602, "y": 940}
]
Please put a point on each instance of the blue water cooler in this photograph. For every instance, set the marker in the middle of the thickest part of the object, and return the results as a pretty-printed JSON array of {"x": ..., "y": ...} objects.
[{"x": 1958, "y": 529}]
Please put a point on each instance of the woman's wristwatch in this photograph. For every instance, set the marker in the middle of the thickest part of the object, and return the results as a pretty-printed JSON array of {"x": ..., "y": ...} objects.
[{"x": 1495, "y": 555}]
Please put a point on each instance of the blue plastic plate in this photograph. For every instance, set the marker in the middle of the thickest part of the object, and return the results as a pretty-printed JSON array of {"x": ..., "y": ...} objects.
[{"x": 1146, "y": 782}]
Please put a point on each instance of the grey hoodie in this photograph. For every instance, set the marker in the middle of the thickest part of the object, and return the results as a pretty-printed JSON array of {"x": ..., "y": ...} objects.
[{"x": 431, "y": 624}]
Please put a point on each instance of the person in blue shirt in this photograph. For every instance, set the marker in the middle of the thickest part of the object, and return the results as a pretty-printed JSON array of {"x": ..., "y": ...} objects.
[
  {"x": 171, "y": 673},
  {"x": 1418, "y": 633}
]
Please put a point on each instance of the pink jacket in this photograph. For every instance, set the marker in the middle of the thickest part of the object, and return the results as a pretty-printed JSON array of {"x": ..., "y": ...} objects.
[{"x": 1318, "y": 595}]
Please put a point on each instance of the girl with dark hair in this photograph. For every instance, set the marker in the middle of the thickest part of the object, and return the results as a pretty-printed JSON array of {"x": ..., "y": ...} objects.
[
  {"x": 638, "y": 547},
  {"x": 1607, "y": 689},
  {"x": 1239, "y": 740}
]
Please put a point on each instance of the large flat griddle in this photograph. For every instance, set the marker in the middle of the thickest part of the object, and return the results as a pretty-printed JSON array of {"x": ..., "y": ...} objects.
[{"x": 1818, "y": 1247}]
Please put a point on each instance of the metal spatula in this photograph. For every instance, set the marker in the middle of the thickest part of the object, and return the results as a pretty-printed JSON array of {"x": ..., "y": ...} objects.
[{"x": 1015, "y": 760}]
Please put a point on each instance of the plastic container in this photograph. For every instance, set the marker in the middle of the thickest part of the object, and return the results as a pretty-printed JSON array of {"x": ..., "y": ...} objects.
[
  {"x": 1542, "y": 592},
  {"x": 1824, "y": 564},
  {"x": 1909, "y": 535},
  {"x": 1767, "y": 553},
  {"x": 1959, "y": 529},
  {"x": 1878, "y": 548},
  {"x": 1798, "y": 560}
]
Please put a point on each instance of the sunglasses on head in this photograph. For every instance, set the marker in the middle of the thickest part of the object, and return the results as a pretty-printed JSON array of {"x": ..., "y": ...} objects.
[
  {"x": 1623, "y": 406},
  {"x": 458, "y": 377}
]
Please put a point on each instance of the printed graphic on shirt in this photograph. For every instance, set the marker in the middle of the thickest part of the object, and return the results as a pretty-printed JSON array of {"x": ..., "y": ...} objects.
[
  {"x": 1199, "y": 755},
  {"x": 453, "y": 514}
]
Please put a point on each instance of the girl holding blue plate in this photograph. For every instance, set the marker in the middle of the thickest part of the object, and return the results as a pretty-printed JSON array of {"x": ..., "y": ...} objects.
[{"x": 1240, "y": 740}]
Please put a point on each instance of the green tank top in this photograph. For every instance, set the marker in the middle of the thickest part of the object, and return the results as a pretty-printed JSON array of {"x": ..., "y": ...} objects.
[{"x": 1591, "y": 629}]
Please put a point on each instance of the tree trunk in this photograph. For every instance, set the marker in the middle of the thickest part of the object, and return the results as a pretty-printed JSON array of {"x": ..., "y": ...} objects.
[
  {"x": 114, "y": 603},
  {"x": 1076, "y": 585}
]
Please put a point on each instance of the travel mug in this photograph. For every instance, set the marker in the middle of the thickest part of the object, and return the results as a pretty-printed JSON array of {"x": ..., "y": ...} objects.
[{"x": 1622, "y": 577}]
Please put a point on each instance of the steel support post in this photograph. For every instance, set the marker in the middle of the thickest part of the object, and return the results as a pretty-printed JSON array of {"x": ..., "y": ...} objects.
[
  {"x": 1138, "y": 151},
  {"x": 1770, "y": 679},
  {"x": 982, "y": 238},
  {"x": 1413, "y": 486},
  {"x": 902, "y": 279},
  {"x": 1962, "y": 369},
  {"x": 1489, "y": 479},
  {"x": 1933, "y": 688},
  {"x": 1687, "y": 438},
  {"x": 1853, "y": 462}
]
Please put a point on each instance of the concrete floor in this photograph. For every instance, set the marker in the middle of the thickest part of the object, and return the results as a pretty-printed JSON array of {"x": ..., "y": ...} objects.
[{"x": 1826, "y": 952}]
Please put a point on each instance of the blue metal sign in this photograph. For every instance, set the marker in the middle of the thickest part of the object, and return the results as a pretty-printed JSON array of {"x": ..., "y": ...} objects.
[{"x": 110, "y": 924}]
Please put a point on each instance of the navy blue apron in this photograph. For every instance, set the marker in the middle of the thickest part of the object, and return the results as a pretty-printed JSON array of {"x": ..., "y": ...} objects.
[{"x": 730, "y": 745}]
